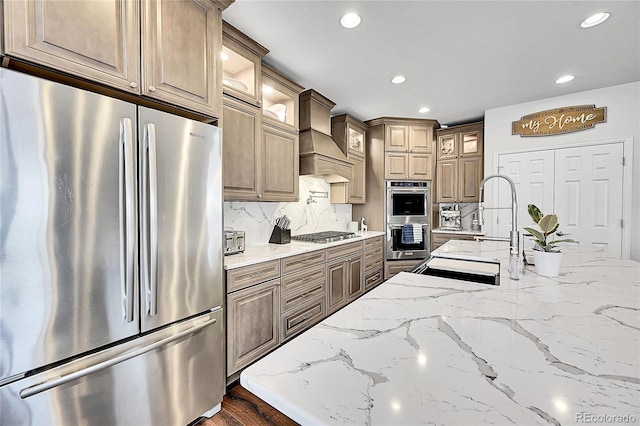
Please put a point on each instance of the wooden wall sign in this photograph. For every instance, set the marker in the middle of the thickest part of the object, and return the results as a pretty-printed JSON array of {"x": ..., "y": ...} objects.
[{"x": 560, "y": 120}]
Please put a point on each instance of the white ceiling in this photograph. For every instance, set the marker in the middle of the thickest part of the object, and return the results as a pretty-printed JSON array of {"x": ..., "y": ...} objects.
[{"x": 460, "y": 57}]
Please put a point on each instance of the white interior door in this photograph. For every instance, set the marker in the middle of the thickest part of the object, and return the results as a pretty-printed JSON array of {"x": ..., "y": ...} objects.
[
  {"x": 588, "y": 196},
  {"x": 533, "y": 175}
]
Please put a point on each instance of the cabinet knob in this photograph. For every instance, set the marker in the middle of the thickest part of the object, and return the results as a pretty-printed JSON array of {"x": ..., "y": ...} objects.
[
  {"x": 152, "y": 88},
  {"x": 133, "y": 84},
  {"x": 259, "y": 195}
]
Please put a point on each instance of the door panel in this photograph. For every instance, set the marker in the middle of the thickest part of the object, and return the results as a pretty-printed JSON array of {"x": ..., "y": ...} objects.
[
  {"x": 532, "y": 173},
  {"x": 588, "y": 198},
  {"x": 97, "y": 40},
  {"x": 241, "y": 126},
  {"x": 61, "y": 270},
  {"x": 280, "y": 164},
  {"x": 189, "y": 220}
]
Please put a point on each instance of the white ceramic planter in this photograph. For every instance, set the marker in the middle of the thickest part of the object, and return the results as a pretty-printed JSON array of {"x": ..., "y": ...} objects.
[{"x": 547, "y": 263}]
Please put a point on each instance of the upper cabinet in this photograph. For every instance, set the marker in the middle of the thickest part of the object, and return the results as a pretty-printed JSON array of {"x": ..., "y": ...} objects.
[
  {"x": 408, "y": 147},
  {"x": 280, "y": 100},
  {"x": 259, "y": 122},
  {"x": 241, "y": 65},
  {"x": 349, "y": 134},
  {"x": 165, "y": 50},
  {"x": 460, "y": 163},
  {"x": 408, "y": 138}
]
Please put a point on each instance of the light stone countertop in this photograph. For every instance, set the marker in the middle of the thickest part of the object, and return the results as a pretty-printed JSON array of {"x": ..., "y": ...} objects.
[
  {"x": 264, "y": 253},
  {"x": 460, "y": 232},
  {"x": 429, "y": 350}
]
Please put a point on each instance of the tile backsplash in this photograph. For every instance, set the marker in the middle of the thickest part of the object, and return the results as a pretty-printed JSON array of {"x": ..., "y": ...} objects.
[{"x": 256, "y": 218}]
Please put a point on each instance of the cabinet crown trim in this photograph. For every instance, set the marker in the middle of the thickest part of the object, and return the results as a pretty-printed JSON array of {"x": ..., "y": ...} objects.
[{"x": 403, "y": 121}]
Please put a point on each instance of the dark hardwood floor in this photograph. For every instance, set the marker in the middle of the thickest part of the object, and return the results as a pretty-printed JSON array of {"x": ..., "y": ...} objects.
[{"x": 241, "y": 407}]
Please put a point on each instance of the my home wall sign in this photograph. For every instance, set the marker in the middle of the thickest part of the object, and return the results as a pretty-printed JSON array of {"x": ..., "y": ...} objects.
[{"x": 560, "y": 120}]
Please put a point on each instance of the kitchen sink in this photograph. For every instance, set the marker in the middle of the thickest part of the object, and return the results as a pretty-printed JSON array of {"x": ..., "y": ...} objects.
[{"x": 482, "y": 272}]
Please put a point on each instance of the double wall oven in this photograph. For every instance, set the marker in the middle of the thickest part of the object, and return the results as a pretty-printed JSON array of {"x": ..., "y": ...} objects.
[{"x": 408, "y": 218}]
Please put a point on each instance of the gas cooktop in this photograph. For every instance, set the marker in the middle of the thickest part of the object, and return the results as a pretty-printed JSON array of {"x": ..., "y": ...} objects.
[{"x": 324, "y": 237}]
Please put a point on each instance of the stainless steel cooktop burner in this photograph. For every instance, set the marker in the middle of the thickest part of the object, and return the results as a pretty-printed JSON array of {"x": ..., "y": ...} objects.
[{"x": 324, "y": 237}]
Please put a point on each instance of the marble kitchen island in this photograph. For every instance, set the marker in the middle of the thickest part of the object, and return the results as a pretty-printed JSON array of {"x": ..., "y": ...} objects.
[{"x": 429, "y": 350}]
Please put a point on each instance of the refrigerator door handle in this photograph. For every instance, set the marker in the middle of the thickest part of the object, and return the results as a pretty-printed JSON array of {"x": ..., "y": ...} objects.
[
  {"x": 60, "y": 380},
  {"x": 127, "y": 232},
  {"x": 150, "y": 219}
]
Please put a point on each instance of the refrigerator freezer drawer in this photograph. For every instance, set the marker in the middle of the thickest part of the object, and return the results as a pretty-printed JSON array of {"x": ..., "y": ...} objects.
[{"x": 170, "y": 377}]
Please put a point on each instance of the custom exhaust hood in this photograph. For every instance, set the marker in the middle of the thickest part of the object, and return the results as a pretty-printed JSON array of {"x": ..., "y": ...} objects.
[{"x": 319, "y": 154}]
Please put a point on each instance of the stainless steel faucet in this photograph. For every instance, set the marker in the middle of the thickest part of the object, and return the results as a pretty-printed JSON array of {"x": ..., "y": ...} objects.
[{"x": 513, "y": 237}]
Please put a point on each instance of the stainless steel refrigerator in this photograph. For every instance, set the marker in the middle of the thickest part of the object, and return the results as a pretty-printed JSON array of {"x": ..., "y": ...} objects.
[{"x": 111, "y": 282}]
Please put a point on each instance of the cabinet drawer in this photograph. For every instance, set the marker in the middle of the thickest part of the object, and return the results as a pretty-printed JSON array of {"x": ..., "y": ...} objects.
[
  {"x": 249, "y": 275},
  {"x": 372, "y": 256},
  {"x": 294, "y": 281},
  {"x": 373, "y": 243},
  {"x": 295, "y": 263},
  {"x": 368, "y": 269},
  {"x": 344, "y": 250},
  {"x": 302, "y": 318},
  {"x": 301, "y": 295},
  {"x": 373, "y": 279}
]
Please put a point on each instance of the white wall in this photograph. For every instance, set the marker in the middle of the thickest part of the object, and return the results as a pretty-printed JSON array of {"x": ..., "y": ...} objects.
[
  {"x": 623, "y": 121},
  {"x": 257, "y": 218}
]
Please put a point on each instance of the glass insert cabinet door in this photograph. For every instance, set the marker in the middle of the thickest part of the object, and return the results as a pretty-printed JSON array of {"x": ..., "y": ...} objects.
[
  {"x": 238, "y": 72},
  {"x": 447, "y": 146},
  {"x": 471, "y": 143},
  {"x": 356, "y": 141}
]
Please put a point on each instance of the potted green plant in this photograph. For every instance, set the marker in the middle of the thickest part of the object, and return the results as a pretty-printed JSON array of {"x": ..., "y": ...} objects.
[{"x": 547, "y": 255}]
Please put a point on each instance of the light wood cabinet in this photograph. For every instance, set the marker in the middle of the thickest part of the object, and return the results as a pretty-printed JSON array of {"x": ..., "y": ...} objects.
[
  {"x": 303, "y": 292},
  {"x": 408, "y": 138},
  {"x": 253, "y": 324},
  {"x": 241, "y": 65},
  {"x": 459, "y": 166},
  {"x": 408, "y": 150},
  {"x": 350, "y": 134},
  {"x": 261, "y": 149},
  {"x": 438, "y": 239},
  {"x": 336, "y": 285},
  {"x": 394, "y": 267},
  {"x": 345, "y": 280},
  {"x": 164, "y": 50},
  {"x": 373, "y": 262},
  {"x": 280, "y": 165},
  {"x": 242, "y": 151},
  {"x": 271, "y": 302}
]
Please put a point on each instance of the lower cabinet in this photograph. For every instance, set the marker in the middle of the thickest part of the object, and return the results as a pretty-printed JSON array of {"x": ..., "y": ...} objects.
[
  {"x": 253, "y": 324},
  {"x": 373, "y": 263},
  {"x": 393, "y": 267},
  {"x": 438, "y": 239},
  {"x": 273, "y": 301}
]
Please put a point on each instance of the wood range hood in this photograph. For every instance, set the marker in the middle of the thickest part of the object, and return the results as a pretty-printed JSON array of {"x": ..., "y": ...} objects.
[{"x": 319, "y": 154}]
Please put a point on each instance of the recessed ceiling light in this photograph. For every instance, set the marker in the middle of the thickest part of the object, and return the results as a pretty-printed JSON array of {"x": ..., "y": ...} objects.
[
  {"x": 350, "y": 20},
  {"x": 594, "y": 20},
  {"x": 398, "y": 79},
  {"x": 267, "y": 89},
  {"x": 224, "y": 56},
  {"x": 423, "y": 110},
  {"x": 565, "y": 78}
]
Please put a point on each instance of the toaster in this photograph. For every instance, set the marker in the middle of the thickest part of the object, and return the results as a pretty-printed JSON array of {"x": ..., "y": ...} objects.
[{"x": 234, "y": 242}]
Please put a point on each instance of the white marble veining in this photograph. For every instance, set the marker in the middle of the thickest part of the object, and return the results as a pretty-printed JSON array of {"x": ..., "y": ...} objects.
[
  {"x": 429, "y": 350},
  {"x": 460, "y": 232},
  {"x": 266, "y": 252},
  {"x": 257, "y": 218}
]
